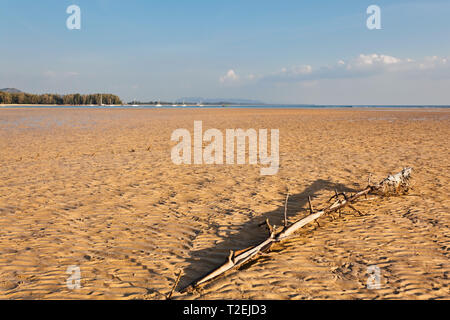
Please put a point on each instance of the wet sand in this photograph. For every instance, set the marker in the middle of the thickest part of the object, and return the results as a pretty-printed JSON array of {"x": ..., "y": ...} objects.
[{"x": 97, "y": 189}]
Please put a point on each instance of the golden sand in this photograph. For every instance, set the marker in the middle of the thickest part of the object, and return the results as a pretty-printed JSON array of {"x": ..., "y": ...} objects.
[{"x": 97, "y": 189}]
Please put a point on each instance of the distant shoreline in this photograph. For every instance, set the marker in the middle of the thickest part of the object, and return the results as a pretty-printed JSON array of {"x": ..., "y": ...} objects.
[
  {"x": 52, "y": 105},
  {"x": 255, "y": 106}
]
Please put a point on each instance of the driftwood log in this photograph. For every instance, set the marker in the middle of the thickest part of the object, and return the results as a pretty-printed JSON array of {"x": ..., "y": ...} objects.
[{"x": 393, "y": 184}]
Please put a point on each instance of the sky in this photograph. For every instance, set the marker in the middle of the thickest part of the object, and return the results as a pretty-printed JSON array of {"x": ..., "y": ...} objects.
[{"x": 293, "y": 52}]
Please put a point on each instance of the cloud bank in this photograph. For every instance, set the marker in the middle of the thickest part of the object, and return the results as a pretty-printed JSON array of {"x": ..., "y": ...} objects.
[{"x": 362, "y": 66}]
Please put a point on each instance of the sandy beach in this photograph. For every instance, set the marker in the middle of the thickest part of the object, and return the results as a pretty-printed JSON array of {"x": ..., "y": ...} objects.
[{"x": 96, "y": 189}]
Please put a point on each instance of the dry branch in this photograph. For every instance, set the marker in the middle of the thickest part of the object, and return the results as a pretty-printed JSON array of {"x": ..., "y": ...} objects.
[
  {"x": 169, "y": 296},
  {"x": 397, "y": 183},
  {"x": 285, "y": 209}
]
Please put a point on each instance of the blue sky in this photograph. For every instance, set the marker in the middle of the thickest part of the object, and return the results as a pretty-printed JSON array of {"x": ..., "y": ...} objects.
[{"x": 275, "y": 51}]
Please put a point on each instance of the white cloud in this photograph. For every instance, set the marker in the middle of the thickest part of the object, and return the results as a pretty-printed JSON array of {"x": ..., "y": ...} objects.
[
  {"x": 230, "y": 77},
  {"x": 363, "y": 66},
  {"x": 434, "y": 62},
  {"x": 375, "y": 59},
  {"x": 305, "y": 69},
  {"x": 49, "y": 74}
]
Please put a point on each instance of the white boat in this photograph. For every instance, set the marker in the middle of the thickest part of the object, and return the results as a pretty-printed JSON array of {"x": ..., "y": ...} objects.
[
  {"x": 159, "y": 104},
  {"x": 134, "y": 103}
]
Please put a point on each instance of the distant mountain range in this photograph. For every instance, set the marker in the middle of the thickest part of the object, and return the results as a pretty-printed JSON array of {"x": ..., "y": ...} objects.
[
  {"x": 218, "y": 101},
  {"x": 10, "y": 90}
]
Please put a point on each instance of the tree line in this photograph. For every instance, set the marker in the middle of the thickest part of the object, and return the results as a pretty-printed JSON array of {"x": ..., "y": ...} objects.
[{"x": 56, "y": 99}]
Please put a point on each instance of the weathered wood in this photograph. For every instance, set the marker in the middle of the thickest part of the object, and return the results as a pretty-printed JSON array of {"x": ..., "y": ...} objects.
[
  {"x": 397, "y": 183},
  {"x": 169, "y": 296},
  {"x": 285, "y": 209},
  {"x": 391, "y": 184}
]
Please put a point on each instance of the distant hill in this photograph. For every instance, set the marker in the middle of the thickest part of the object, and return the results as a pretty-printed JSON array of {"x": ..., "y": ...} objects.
[
  {"x": 218, "y": 101},
  {"x": 10, "y": 90}
]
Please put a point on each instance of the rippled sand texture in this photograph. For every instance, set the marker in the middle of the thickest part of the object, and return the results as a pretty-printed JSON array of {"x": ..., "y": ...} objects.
[{"x": 97, "y": 189}]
